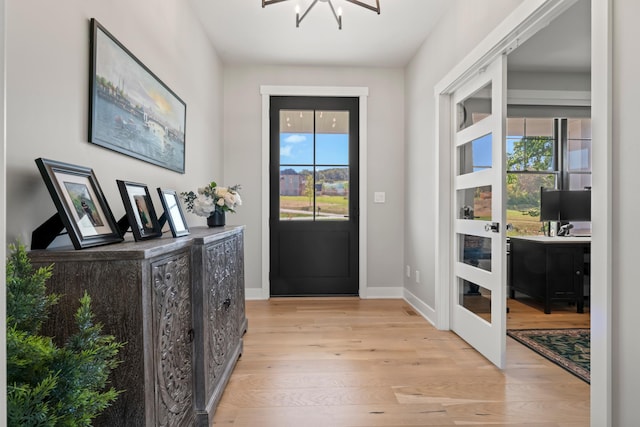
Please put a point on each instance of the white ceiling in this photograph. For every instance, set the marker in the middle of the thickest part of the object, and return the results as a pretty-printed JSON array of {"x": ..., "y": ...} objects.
[
  {"x": 245, "y": 33},
  {"x": 563, "y": 46}
]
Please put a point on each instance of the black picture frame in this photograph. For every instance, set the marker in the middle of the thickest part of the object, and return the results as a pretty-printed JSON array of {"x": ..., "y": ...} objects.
[
  {"x": 139, "y": 210},
  {"x": 131, "y": 111},
  {"x": 173, "y": 212},
  {"x": 82, "y": 208}
]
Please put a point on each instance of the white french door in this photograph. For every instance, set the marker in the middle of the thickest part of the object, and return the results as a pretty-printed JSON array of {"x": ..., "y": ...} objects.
[{"x": 478, "y": 299}]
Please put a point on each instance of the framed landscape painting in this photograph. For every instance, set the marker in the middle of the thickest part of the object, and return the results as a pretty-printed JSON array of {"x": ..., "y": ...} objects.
[
  {"x": 81, "y": 206},
  {"x": 131, "y": 110}
]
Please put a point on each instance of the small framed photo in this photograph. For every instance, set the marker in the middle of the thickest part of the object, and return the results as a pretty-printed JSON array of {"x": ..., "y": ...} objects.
[
  {"x": 81, "y": 205},
  {"x": 140, "y": 213},
  {"x": 173, "y": 212}
]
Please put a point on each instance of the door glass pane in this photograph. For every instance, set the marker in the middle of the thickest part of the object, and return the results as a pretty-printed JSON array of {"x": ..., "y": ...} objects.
[
  {"x": 474, "y": 108},
  {"x": 332, "y": 193},
  {"x": 296, "y": 137},
  {"x": 475, "y": 251},
  {"x": 332, "y": 165},
  {"x": 475, "y": 155},
  {"x": 475, "y": 298},
  {"x": 475, "y": 203},
  {"x": 309, "y": 138},
  {"x": 332, "y": 138},
  {"x": 296, "y": 193}
]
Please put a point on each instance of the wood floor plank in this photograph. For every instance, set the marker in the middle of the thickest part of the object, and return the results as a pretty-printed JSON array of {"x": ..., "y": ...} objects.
[{"x": 346, "y": 362}]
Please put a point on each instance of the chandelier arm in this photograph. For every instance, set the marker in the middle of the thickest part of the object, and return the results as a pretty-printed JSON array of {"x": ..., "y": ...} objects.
[
  {"x": 269, "y": 2},
  {"x": 375, "y": 8},
  {"x": 335, "y": 15},
  {"x": 299, "y": 20}
]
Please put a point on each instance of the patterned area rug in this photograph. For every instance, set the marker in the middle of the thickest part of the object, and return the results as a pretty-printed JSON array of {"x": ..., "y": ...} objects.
[{"x": 568, "y": 348}]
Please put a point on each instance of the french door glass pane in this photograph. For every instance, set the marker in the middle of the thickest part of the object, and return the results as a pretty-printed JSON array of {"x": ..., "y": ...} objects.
[
  {"x": 475, "y": 251},
  {"x": 474, "y": 108},
  {"x": 475, "y": 203},
  {"x": 475, "y": 155},
  {"x": 475, "y": 298}
]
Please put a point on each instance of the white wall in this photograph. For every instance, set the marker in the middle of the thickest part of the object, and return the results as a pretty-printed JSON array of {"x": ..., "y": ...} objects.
[
  {"x": 461, "y": 29},
  {"x": 47, "y": 96},
  {"x": 385, "y": 151},
  {"x": 626, "y": 205}
]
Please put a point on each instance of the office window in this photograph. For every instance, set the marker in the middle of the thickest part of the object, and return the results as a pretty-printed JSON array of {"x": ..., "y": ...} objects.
[
  {"x": 578, "y": 168},
  {"x": 544, "y": 152}
]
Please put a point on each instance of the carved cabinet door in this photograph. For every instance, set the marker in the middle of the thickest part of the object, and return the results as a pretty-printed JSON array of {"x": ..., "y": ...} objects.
[
  {"x": 239, "y": 265},
  {"x": 222, "y": 303},
  {"x": 171, "y": 313}
]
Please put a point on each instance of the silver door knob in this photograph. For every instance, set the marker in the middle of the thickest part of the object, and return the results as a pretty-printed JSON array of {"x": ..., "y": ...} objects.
[{"x": 494, "y": 226}]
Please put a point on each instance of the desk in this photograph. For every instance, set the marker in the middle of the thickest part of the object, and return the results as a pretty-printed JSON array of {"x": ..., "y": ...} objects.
[{"x": 549, "y": 268}]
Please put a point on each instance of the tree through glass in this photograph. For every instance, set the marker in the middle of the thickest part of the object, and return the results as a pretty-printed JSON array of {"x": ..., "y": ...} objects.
[
  {"x": 314, "y": 165},
  {"x": 531, "y": 163}
]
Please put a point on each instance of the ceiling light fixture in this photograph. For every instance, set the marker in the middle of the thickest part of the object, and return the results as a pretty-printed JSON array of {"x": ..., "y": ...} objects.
[{"x": 337, "y": 14}]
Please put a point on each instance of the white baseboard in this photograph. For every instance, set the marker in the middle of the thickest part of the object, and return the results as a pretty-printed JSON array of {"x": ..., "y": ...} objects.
[
  {"x": 383, "y": 292},
  {"x": 254, "y": 294},
  {"x": 393, "y": 292},
  {"x": 425, "y": 310}
]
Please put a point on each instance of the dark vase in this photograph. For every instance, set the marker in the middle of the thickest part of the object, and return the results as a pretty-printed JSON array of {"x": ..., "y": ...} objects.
[{"x": 216, "y": 219}]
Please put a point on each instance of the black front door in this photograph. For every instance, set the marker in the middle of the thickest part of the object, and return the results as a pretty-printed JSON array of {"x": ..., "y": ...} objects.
[{"x": 314, "y": 196}]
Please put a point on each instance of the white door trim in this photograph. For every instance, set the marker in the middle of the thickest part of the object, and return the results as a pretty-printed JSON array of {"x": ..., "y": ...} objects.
[
  {"x": 362, "y": 93},
  {"x": 601, "y": 245},
  {"x": 526, "y": 20}
]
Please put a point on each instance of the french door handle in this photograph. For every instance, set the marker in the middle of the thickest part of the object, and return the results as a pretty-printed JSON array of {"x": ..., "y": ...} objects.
[{"x": 494, "y": 226}]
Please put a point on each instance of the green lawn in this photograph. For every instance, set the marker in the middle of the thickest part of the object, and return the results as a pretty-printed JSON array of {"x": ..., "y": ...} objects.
[
  {"x": 523, "y": 223},
  {"x": 327, "y": 204}
]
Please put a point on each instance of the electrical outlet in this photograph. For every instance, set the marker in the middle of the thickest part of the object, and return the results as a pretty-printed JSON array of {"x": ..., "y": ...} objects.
[
  {"x": 408, "y": 271},
  {"x": 417, "y": 276}
]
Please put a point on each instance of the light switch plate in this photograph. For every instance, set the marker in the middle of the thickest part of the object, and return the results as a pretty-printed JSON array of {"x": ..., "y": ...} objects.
[{"x": 379, "y": 197}]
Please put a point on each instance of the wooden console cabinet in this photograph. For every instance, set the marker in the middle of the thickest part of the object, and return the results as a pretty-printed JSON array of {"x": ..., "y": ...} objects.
[
  {"x": 178, "y": 303},
  {"x": 549, "y": 268},
  {"x": 219, "y": 316}
]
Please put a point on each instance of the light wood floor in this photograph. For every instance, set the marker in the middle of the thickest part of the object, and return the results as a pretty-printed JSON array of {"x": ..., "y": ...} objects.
[{"x": 336, "y": 362}]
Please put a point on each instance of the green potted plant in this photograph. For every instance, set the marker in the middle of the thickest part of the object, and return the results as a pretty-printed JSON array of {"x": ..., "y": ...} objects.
[{"x": 48, "y": 385}]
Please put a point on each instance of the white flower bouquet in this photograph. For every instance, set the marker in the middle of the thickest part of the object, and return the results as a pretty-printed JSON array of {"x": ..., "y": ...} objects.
[{"x": 211, "y": 198}]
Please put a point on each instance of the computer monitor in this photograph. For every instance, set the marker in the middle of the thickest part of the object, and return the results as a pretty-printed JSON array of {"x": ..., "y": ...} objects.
[
  {"x": 565, "y": 205},
  {"x": 575, "y": 205},
  {"x": 549, "y": 204}
]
